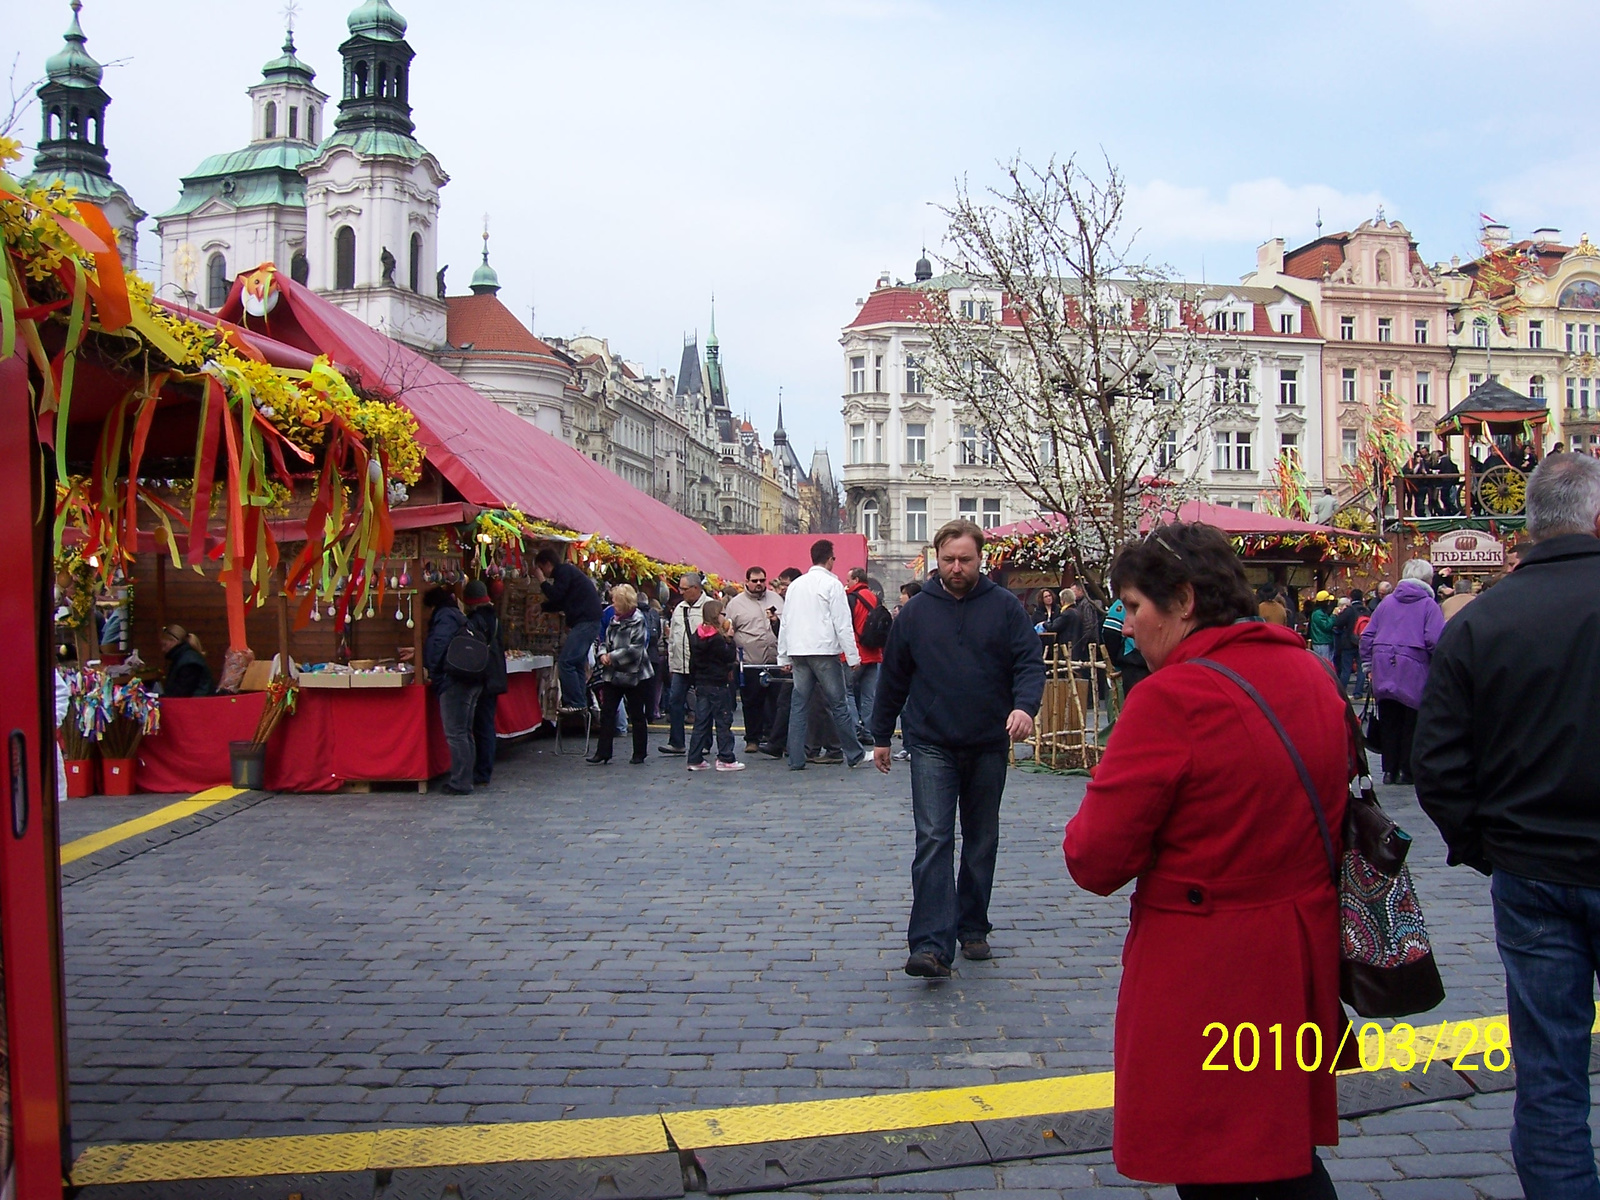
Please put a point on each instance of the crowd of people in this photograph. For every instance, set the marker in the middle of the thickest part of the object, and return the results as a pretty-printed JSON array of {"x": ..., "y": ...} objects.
[{"x": 1232, "y": 845}]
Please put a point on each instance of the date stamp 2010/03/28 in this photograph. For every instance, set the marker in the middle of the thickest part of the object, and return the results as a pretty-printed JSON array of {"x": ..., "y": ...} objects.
[{"x": 1275, "y": 1049}]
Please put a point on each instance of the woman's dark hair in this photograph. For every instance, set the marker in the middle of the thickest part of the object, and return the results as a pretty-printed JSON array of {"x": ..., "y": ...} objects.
[
  {"x": 1192, "y": 554},
  {"x": 439, "y": 597}
]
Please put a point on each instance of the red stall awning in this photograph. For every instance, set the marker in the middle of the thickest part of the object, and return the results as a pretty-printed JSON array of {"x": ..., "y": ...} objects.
[
  {"x": 775, "y": 551},
  {"x": 492, "y": 457}
]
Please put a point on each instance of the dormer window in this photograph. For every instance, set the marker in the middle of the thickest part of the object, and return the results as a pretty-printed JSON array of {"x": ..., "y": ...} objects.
[{"x": 1228, "y": 320}]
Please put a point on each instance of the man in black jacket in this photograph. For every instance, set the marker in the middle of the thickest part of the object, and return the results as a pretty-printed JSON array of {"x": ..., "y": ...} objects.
[
  {"x": 964, "y": 663},
  {"x": 1502, "y": 766},
  {"x": 570, "y": 592}
]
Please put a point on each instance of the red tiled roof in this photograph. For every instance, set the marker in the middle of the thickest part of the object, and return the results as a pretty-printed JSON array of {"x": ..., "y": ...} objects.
[
  {"x": 627, "y": 372},
  {"x": 485, "y": 324},
  {"x": 1312, "y": 260},
  {"x": 588, "y": 360},
  {"x": 1547, "y": 255},
  {"x": 891, "y": 304}
]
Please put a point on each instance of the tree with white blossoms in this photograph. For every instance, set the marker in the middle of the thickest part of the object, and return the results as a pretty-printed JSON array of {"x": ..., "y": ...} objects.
[{"x": 1090, "y": 374}]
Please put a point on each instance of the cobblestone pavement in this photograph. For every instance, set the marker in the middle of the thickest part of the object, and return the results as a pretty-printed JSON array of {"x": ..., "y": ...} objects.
[{"x": 583, "y": 941}]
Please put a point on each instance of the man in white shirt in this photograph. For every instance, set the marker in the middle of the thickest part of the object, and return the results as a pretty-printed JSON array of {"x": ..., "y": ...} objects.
[
  {"x": 815, "y": 631},
  {"x": 755, "y": 614}
]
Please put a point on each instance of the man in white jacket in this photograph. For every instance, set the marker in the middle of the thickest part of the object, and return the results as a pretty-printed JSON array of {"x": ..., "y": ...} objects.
[{"x": 816, "y": 629}]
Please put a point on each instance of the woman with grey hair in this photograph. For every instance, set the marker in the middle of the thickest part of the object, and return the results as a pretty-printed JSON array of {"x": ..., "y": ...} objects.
[{"x": 1397, "y": 646}]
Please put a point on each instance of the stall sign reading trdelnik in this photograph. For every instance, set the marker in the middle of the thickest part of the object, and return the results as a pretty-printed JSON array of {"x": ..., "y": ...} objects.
[{"x": 1468, "y": 549}]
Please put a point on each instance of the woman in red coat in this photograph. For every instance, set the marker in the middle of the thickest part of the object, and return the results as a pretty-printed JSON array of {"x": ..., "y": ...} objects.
[{"x": 1231, "y": 968}]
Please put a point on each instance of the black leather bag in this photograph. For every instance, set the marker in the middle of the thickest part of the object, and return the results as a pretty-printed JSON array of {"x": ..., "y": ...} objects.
[
  {"x": 1371, "y": 727},
  {"x": 1386, "y": 965},
  {"x": 466, "y": 655}
]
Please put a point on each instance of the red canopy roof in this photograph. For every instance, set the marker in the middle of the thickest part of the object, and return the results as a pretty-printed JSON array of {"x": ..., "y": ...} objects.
[
  {"x": 492, "y": 457},
  {"x": 774, "y": 551}
]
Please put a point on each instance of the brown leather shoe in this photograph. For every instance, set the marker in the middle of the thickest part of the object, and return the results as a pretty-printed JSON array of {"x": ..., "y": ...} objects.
[{"x": 977, "y": 950}]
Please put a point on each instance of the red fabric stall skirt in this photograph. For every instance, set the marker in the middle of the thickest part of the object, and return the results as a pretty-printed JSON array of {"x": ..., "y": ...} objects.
[{"x": 334, "y": 737}]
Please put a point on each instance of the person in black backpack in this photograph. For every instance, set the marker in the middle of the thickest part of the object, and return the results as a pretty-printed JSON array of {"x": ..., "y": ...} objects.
[
  {"x": 483, "y": 617},
  {"x": 458, "y": 698}
]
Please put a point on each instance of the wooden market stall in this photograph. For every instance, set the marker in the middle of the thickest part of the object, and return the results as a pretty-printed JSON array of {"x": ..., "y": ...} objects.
[{"x": 1508, "y": 429}]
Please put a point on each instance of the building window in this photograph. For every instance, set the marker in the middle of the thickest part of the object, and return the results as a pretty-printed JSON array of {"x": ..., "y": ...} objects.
[
  {"x": 991, "y": 514},
  {"x": 1234, "y": 451},
  {"x": 869, "y": 520},
  {"x": 1228, "y": 321},
  {"x": 1419, "y": 331},
  {"x": 877, "y": 372},
  {"x": 917, "y": 520},
  {"x": 1535, "y": 335},
  {"x": 1233, "y": 385},
  {"x": 967, "y": 509},
  {"x": 969, "y": 309},
  {"x": 1424, "y": 440},
  {"x": 1386, "y": 329},
  {"x": 1289, "y": 386},
  {"x": 913, "y": 375},
  {"x": 858, "y": 444},
  {"x": 1424, "y": 388},
  {"x": 1286, "y": 322},
  {"x": 344, "y": 253},
  {"x": 1347, "y": 385},
  {"x": 294, "y": 121},
  {"x": 1480, "y": 331},
  {"x": 858, "y": 373},
  {"x": 216, "y": 281},
  {"x": 1578, "y": 392},
  {"x": 415, "y": 274},
  {"x": 269, "y": 121},
  {"x": 1289, "y": 446},
  {"x": 969, "y": 445},
  {"x": 985, "y": 310},
  {"x": 1347, "y": 329},
  {"x": 1474, "y": 378},
  {"x": 311, "y": 123},
  {"x": 916, "y": 444},
  {"x": 299, "y": 268},
  {"x": 1167, "y": 450},
  {"x": 1386, "y": 382},
  {"x": 1347, "y": 446},
  {"x": 877, "y": 442},
  {"x": 1536, "y": 387}
]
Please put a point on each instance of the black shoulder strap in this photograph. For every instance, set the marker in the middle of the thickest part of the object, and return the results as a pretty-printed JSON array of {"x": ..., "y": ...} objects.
[{"x": 1317, "y": 809}]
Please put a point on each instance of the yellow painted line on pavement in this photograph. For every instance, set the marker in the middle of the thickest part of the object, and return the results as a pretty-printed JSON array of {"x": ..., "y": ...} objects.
[
  {"x": 85, "y": 846},
  {"x": 1432, "y": 1046},
  {"x": 872, "y": 1114},
  {"x": 441, "y": 1146}
]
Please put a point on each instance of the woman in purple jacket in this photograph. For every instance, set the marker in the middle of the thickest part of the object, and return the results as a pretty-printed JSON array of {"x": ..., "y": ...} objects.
[{"x": 1397, "y": 646}]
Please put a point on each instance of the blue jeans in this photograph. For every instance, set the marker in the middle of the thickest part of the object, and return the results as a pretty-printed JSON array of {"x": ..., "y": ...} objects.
[
  {"x": 863, "y": 689},
  {"x": 574, "y": 661},
  {"x": 946, "y": 780},
  {"x": 713, "y": 705},
  {"x": 1549, "y": 940},
  {"x": 458, "y": 702},
  {"x": 677, "y": 705},
  {"x": 823, "y": 671}
]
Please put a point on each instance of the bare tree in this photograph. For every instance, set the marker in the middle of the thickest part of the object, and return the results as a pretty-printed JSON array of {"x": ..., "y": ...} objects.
[
  {"x": 20, "y": 101},
  {"x": 1088, "y": 377}
]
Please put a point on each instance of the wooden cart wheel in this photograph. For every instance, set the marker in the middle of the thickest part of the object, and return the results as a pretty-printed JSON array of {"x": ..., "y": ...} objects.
[{"x": 1503, "y": 491}]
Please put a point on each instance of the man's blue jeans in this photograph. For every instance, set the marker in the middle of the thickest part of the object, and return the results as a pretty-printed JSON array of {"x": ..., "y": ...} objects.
[
  {"x": 863, "y": 690},
  {"x": 677, "y": 708},
  {"x": 1549, "y": 940},
  {"x": 823, "y": 671},
  {"x": 945, "y": 781},
  {"x": 574, "y": 661}
]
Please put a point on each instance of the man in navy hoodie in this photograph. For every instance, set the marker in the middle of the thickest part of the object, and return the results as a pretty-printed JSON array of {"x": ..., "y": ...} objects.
[{"x": 964, "y": 663}]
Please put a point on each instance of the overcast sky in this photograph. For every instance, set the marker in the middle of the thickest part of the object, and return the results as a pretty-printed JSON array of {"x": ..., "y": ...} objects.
[{"x": 637, "y": 157}]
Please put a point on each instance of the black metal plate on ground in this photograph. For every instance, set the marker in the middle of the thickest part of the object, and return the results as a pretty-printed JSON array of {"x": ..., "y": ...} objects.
[
  {"x": 1036, "y": 1137},
  {"x": 852, "y": 1156},
  {"x": 343, "y": 1185},
  {"x": 633, "y": 1177},
  {"x": 1376, "y": 1091}
]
